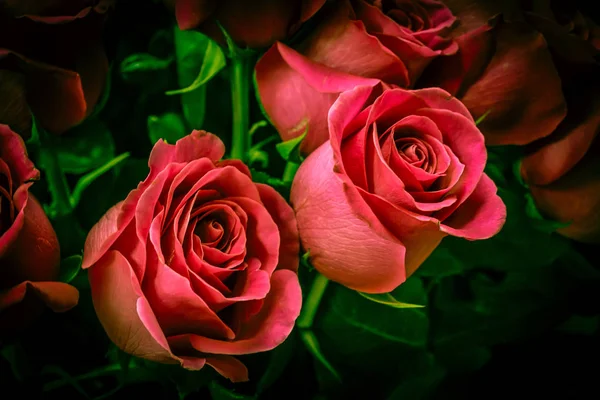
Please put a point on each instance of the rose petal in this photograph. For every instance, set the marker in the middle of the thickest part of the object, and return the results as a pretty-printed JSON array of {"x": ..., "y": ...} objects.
[
  {"x": 481, "y": 216},
  {"x": 457, "y": 72},
  {"x": 229, "y": 367},
  {"x": 296, "y": 93},
  {"x": 510, "y": 86},
  {"x": 14, "y": 109},
  {"x": 124, "y": 312},
  {"x": 419, "y": 234},
  {"x": 344, "y": 44},
  {"x": 267, "y": 329},
  {"x": 574, "y": 199},
  {"x": 57, "y": 296},
  {"x": 198, "y": 144},
  {"x": 462, "y": 136},
  {"x": 439, "y": 98},
  {"x": 14, "y": 154},
  {"x": 110, "y": 227},
  {"x": 333, "y": 219},
  {"x": 284, "y": 217},
  {"x": 184, "y": 313},
  {"x": 34, "y": 255},
  {"x": 191, "y": 13},
  {"x": 553, "y": 157},
  {"x": 262, "y": 234}
]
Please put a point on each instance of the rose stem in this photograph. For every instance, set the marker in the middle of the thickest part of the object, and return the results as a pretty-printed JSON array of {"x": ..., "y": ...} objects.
[
  {"x": 57, "y": 182},
  {"x": 290, "y": 171},
  {"x": 312, "y": 302},
  {"x": 240, "y": 93}
]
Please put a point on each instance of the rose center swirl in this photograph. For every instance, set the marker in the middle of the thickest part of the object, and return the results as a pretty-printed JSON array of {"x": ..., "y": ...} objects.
[
  {"x": 416, "y": 153},
  {"x": 214, "y": 228}
]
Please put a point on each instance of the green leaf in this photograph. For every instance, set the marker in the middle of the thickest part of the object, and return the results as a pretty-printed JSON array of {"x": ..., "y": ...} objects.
[
  {"x": 426, "y": 374},
  {"x": 462, "y": 360},
  {"x": 258, "y": 157},
  {"x": 168, "y": 127},
  {"x": 312, "y": 345},
  {"x": 17, "y": 358},
  {"x": 70, "y": 268},
  {"x": 484, "y": 116},
  {"x": 290, "y": 150},
  {"x": 516, "y": 170},
  {"x": 359, "y": 324},
  {"x": 187, "y": 382},
  {"x": 256, "y": 126},
  {"x": 580, "y": 325},
  {"x": 138, "y": 67},
  {"x": 213, "y": 58},
  {"x": 67, "y": 379},
  {"x": 262, "y": 177},
  {"x": 388, "y": 300},
  {"x": 89, "y": 178},
  {"x": 280, "y": 357},
  {"x": 486, "y": 307},
  {"x": 218, "y": 392},
  {"x": 371, "y": 343},
  {"x": 85, "y": 147},
  {"x": 441, "y": 263},
  {"x": 539, "y": 221}
]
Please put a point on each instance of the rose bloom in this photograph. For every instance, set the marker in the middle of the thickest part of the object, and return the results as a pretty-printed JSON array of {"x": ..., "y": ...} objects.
[
  {"x": 198, "y": 264},
  {"x": 52, "y": 62},
  {"x": 29, "y": 250},
  {"x": 400, "y": 171},
  {"x": 249, "y": 23},
  {"x": 535, "y": 69},
  {"x": 355, "y": 42}
]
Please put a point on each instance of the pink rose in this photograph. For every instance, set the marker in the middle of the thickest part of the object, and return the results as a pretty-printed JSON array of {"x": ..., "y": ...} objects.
[
  {"x": 357, "y": 41},
  {"x": 400, "y": 172},
  {"x": 29, "y": 250},
  {"x": 198, "y": 264}
]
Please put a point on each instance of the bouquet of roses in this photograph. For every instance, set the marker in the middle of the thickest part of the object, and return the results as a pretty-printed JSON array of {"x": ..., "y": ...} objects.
[{"x": 329, "y": 198}]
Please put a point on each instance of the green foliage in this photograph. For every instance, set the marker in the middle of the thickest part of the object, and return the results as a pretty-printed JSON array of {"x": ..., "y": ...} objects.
[
  {"x": 142, "y": 68},
  {"x": 168, "y": 127},
  {"x": 85, "y": 147},
  {"x": 218, "y": 392},
  {"x": 69, "y": 268},
  {"x": 86, "y": 180},
  {"x": 290, "y": 149},
  {"x": 278, "y": 360},
  {"x": 388, "y": 300},
  {"x": 312, "y": 345},
  {"x": 199, "y": 59},
  {"x": 192, "y": 46}
]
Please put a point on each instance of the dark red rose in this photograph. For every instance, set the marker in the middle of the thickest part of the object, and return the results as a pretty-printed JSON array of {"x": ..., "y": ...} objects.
[
  {"x": 52, "y": 62},
  {"x": 534, "y": 66},
  {"x": 256, "y": 23},
  {"x": 29, "y": 250}
]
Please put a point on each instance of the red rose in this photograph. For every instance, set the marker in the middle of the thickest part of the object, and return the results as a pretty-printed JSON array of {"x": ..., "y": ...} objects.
[
  {"x": 392, "y": 41},
  {"x": 536, "y": 69},
  {"x": 29, "y": 251},
  {"x": 398, "y": 174},
  {"x": 517, "y": 67},
  {"x": 249, "y": 23},
  {"x": 563, "y": 169},
  {"x": 198, "y": 264},
  {"x": 52, "y": 62}
]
